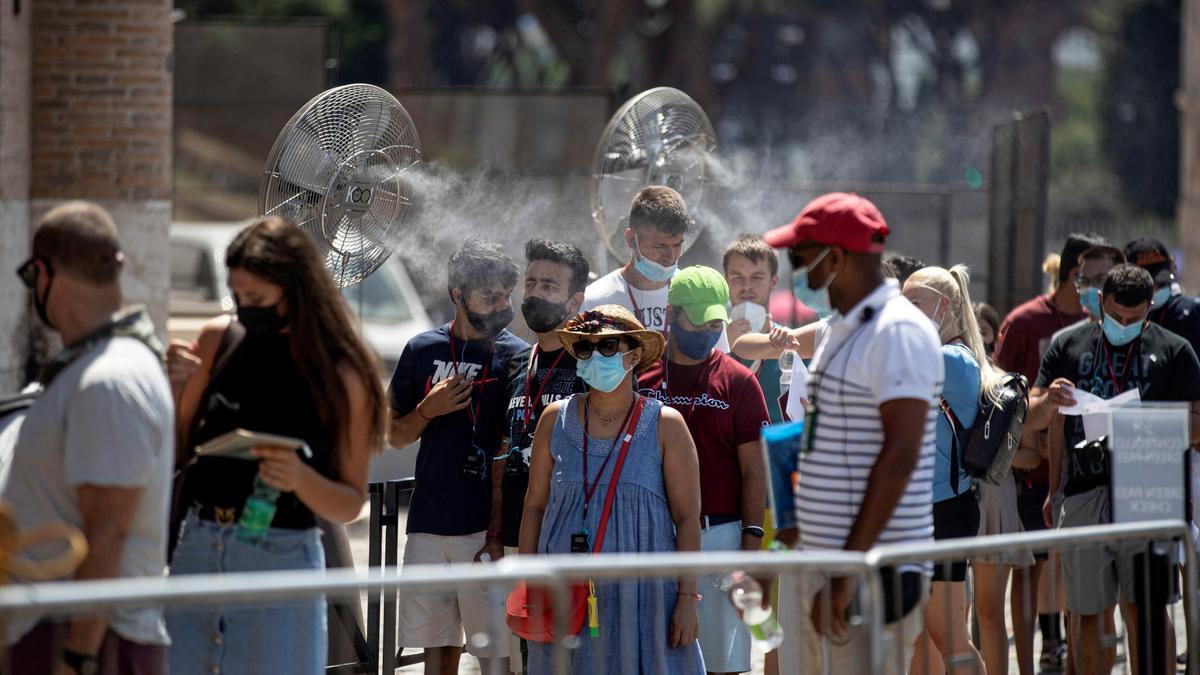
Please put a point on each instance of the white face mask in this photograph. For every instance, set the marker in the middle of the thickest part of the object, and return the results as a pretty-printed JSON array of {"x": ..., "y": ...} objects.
[{"x": 752, "y": 312}]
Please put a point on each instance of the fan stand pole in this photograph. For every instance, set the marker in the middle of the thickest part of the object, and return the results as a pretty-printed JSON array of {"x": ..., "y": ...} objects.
[{"x": 602, "y": 257}]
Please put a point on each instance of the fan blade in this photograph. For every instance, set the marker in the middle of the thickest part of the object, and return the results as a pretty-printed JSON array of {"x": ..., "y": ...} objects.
[{"x": 304, "y": 164}]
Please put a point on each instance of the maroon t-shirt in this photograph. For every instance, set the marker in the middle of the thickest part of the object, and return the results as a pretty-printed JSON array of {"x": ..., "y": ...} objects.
[
  {"x": 1024, "y": 336},
  {"x": 724, "y": 408}
]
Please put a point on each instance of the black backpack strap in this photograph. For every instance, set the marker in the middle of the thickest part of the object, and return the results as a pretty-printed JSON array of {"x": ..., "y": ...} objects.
[
  {"x": 954, "y": 450},
  {"x": 230, "y": 339},
  {"x": 184, "y": 451}
]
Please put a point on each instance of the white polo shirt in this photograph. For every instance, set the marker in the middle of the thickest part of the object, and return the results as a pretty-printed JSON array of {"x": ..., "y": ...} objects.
[{"x": 882, "y": 350}]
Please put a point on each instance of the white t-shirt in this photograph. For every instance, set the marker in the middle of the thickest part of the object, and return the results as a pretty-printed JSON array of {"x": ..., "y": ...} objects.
[
  {"x": 882, "y": 350},
  {"x": 650, "y": 307},
  {"x": 106, "y": 420}
]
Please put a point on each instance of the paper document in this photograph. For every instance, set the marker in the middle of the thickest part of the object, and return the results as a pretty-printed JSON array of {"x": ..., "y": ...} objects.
[
  {"x": 239, "y": 444},
  {"x": 1085, "y": 400}
]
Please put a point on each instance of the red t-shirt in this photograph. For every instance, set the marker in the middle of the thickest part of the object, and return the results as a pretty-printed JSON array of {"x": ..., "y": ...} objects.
[
  {"x": 1024, "y": 336},
  {"x": 724, "y": 408}
]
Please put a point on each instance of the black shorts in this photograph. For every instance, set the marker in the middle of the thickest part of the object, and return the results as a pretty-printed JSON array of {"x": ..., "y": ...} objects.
[
  {"x": 952, "y": 519},
  {"x": 1030, "y": 500}
]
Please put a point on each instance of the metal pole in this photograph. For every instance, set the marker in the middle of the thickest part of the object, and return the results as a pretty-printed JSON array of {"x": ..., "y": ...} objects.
[
  {"x": 390, "y": 520},
  {"x": 374, "y": 560}
]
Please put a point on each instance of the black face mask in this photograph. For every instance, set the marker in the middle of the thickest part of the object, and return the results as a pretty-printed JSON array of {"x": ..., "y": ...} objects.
[
  {"x": 261, "y": 320},
  {"x": 39, "y": 304},
  {"x": 542, "y": 315},
  {"x": 489, "y": 324}
]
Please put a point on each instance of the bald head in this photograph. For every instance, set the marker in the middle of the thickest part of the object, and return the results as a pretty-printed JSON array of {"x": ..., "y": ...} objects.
[{"x": 80, "y": 239}]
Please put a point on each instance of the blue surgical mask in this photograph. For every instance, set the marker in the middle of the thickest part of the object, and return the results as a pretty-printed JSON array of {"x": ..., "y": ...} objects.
[
  {"x": 603, "y": 372},
  {"x": 1089, "y": 297},
  {"x": 695, "y": 344},
  {"x": 816, "y": 299},
  {"x": 1160, "y": 297},
  {"x": 650, "y": 269},
  {"x": 1120, "y": 335}
]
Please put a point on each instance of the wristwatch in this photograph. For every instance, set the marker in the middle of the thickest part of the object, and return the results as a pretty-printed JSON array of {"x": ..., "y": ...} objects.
[{"x": 83, "y": 664}]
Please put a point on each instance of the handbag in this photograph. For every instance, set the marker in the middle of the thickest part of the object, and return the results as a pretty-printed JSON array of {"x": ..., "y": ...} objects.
[{"x": 530, "y": 609}]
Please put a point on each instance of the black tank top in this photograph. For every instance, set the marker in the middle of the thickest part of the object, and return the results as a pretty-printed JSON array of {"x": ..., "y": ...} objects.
[{"x": 259, "y": 389}]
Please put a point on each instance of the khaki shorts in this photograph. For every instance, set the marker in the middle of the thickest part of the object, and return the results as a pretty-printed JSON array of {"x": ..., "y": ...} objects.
[
  {"x": 812, "y": 654},
  {"x": 1097, "y": 576},
  {"x": 439, "y": 619}
]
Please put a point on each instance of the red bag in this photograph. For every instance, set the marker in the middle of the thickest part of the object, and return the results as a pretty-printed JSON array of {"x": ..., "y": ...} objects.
[{"x": 530, "y": 609}]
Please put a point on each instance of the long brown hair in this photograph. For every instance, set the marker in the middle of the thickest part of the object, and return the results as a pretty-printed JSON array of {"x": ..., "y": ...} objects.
[{"x": 323, "y": 337}]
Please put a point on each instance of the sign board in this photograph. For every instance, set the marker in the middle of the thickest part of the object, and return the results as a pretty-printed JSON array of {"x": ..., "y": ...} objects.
[{"x": 1147, "y": 473}]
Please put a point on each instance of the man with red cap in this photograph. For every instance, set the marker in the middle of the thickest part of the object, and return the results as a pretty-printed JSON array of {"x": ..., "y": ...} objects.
[{"x": 866, "y": 462}]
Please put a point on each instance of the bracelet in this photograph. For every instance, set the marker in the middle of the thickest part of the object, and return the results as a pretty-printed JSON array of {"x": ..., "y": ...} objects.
[
  {"x": 427, "y": 419},
  {"x": 492, "y": 534},
  {"x": 754, "y": 530},
  {"x": 694, "y": 595}
]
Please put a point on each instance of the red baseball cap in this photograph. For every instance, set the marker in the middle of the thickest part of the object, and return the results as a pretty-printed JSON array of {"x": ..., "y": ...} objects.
[{"x": 836, "y": 219}]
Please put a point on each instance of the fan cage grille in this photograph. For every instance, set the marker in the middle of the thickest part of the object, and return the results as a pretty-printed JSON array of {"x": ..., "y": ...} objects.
[{"x": 339, "y": 171}]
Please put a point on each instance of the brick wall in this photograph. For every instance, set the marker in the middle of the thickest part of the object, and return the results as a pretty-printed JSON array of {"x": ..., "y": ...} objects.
[
  {"x": 85, "y": 113},
  {"x": 102, "y": 99}
]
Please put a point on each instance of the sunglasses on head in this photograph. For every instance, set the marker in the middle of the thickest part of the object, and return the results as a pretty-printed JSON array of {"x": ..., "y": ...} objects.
[
  {"x": 608, "y": 346},
  {"x": 28, "y": 271}
]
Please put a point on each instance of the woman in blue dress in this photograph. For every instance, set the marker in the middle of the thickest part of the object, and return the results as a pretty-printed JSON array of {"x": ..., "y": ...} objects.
[{"x": 647, "y": 625}]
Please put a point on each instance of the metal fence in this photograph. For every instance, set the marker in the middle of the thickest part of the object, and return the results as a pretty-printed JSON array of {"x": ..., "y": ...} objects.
[{"x": 384, "y": 584}]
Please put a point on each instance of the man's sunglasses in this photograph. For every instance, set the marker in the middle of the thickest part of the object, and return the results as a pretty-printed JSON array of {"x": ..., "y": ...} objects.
[
  {"x": 584, "y": 348},
  {"x": 28, "y": 271}
]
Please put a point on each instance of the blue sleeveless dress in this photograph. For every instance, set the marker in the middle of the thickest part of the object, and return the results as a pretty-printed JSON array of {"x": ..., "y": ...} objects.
[{"x": 635, "y": 615}]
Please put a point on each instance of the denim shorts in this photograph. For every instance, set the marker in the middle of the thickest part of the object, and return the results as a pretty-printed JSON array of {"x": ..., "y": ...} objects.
[{"x": 282, "y": 637}]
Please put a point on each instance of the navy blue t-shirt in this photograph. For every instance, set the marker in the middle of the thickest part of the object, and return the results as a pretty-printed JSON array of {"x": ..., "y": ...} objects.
[
  {"x": 1180, "y": 315},
  {"x": 445, "y": 501}
]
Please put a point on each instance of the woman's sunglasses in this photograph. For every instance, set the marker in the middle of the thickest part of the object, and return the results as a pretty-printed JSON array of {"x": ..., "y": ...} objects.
[{"x": 584, "y": 348}]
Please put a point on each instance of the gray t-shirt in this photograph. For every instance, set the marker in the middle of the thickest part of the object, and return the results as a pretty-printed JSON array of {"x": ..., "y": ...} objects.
[{"x": 107, "y": 420}]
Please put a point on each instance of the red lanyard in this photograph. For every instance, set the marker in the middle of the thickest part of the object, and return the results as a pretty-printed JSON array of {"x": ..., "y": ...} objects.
[
  {"x": 481, "y": 382},
  {"x": 529, "y": 375},
  {"x": 588, "y": 492},
  {"x": 637, "y": 312},
  {"x": 1112, "y": 372}
]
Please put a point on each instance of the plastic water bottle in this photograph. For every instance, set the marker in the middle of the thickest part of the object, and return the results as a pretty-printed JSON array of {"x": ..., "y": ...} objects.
[
  {"x": 746, "y": 596},
  {"x": 257, "y": 513}
]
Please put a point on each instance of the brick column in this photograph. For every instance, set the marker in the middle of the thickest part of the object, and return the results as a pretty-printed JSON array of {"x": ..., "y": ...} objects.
[
  {"x": 102, "y": 86},
  {"x": 15, "y": 21}
]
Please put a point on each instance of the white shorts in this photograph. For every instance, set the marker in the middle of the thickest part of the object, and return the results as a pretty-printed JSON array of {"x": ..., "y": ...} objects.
[
  {"x": 439, "y": 619},
  {"x": 724, "y": 640}
]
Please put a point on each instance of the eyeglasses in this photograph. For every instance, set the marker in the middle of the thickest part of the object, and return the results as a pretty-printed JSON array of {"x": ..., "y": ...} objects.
[
  {"x": 1092, "y": 282},
  {"x": 28, "y": 271},
  {"x": 583, "y": 349}
]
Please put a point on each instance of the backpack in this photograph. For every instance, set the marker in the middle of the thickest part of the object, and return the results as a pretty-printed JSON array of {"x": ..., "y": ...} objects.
[{"x": 987, "y": 447}]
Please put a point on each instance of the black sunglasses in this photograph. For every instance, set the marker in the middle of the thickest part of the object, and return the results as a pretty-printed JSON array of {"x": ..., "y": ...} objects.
[
  {"x": 584, "y": 348},
  {"x": 28, "y": 271}
]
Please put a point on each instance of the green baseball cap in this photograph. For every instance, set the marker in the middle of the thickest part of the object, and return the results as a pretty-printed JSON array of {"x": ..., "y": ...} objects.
[{"x": 701, "y": 292}]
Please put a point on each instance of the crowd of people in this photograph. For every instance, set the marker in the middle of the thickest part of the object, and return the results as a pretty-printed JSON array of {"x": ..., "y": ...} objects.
[{"x": 630, "y": 422}]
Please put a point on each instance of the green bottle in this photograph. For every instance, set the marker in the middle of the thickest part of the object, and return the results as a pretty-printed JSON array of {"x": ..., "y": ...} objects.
[{"x": 257, "y": 513}]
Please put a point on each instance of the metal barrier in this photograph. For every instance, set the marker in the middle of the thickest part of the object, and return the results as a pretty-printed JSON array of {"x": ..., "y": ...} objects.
[
  {"x": 556, "y": 573},
  {"x": 1063, "y": 540}
]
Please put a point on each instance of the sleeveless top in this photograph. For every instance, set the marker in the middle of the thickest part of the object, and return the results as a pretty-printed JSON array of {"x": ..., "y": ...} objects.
[
  {"x": 259, "y": 389},
  {"x": 635, "y": 613}
]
